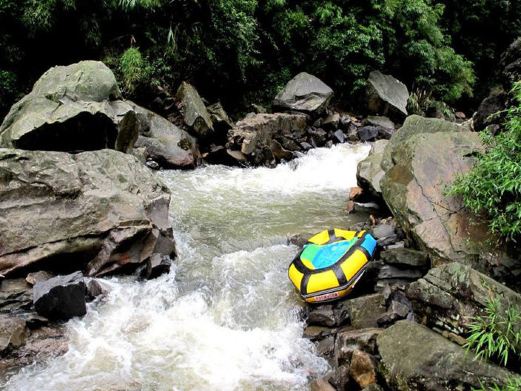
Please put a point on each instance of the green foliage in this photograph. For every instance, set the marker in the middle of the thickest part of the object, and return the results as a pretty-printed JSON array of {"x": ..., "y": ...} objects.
[
  {"x": 496, "y": 334},
  {"x": 134, "y": 69},
  {"x": 493, "y": 186},
  {"x": 512, "y": 384},
  {"x": 245, "y": 48}
]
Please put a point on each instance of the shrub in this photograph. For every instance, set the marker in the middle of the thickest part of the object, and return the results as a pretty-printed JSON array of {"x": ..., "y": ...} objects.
[
  {"x": 493, "y": 186},
  {"x": 134, "y": 69}
]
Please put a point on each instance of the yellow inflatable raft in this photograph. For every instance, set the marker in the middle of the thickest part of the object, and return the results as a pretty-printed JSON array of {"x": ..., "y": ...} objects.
[{"x": 331, "y": 263}]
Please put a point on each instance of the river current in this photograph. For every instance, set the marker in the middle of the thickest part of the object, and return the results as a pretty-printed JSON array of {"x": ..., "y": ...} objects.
[{"x": 226, "y": 317}]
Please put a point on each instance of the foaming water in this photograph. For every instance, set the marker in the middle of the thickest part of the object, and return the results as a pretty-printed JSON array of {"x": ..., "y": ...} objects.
[{"x": 226, "y": 316}]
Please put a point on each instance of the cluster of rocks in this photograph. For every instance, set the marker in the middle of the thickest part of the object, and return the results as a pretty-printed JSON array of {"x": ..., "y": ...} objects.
[
  {"x": 404, "y": 326},
  {"x": 74, "y": 198}
]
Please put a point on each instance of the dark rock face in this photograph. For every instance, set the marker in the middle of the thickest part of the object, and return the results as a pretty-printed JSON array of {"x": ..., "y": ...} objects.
[
  {"x": 61, "y": 298},
  {"x": 386, "y": 93},
  {"x": 195, "y": 114},
  {"x": 71, "y": 108},
  {"x": 414, "y": 358},
  {"x": 98, "y": 211},
  {"x": 449, "y": 296},
  {"x": 488, "y": 108},
  {"x": 305, "y": 93}
]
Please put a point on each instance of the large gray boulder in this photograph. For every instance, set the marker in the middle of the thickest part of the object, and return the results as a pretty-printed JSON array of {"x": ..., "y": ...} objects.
[
  {"x": 255, "y": 134},
  {"x": 414, "y": 188},
  {"x": 71, "y": 108},
  {"x": 99, "y": 211},
  {"x": 195, "y": 114},
  {"x": 61, "y": 297},
  {"x": 164, "y": 142},
  {"x": 413, "y": 125},
  {"x": 414, "y": 358},
  {"x": 386, "y": 93},
  {"x": 305, "y": 93}
]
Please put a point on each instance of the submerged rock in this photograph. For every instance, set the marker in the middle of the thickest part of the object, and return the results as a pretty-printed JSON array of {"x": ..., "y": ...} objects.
[
  {"x": 414, "y": 357},
  {"x": 194, "y": 111},
  {"x": 71, "y": 108},
  {"x": 386, "y": 93},
  {"x": 61, "y": 297},
  {"x": 99, "y": 211},
  {"x": 305, "y": 93}
]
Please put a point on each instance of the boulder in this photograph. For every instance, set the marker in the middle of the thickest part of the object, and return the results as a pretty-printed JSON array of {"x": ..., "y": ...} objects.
[
  {"x": 384, "y": 122},
  {"x": 33, "y": 278},
  {"x": 163, "y": 142},
  {"x": 415, "y": 191},
  {"x": 61, "y": 297},
  {"x": 195, "y": 114},
  {"x": 489, "y": 110},
  {"x": 510, "y": 64},
  {"x": 414, "y": 357},
  {"x": 98, "y": 211},
  {"x": 365, "y": 310},
  {"x": 13, "y": 332},
  {"x": 362, "y": 369},
  {"x": 386, "y": 93},
  {"x": 369, "y": 172},
  {"x": 15, "y": 296},
  {"x": 449, "y": 296},
  {"x": 305, "y": 93},
  {"x": 368, "y": 133},
  {"x": 414, "y": 125},
  {"x": 405, "y": 258},
  {"x": 219, "y": 117},
  {"x": 71, "y": 108},
  {"x": 255, "y": 133}
]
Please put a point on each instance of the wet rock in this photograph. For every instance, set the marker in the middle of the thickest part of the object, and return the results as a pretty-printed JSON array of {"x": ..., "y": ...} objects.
[
  {"x": 315, "y": 333},
  {"x": 299, "y": 240},
  {"x": 414, "y": 190},
  {"x": 321, "y": 385},
  {"x": 100, "y": 211},
  {"x": 329, "y": 315},
  {"x": 163, "y": 142},
  {"x": 362, "y": 369},
  {"x": 33, "y": 278},
  {"x": 258, "y": 131},
  {"x": 13, "y": 332},
  {"x": 41, "y": 345},
  {"x": 386, "y": 233},
  {"x": 71, "y": 108},
  {"x": 195, "y": 114},
  {"x": 319, "y": 136},
  {"x": 326, "y": 347},
  {"x": 386, "y": 93},
  {"x": 369, "y": 172},
  {"x": 61, "y": 298},
  {"x": 96, "y": 288},
  {"x": 279, "y": 152},
  {"x": 156, "y": 265},
  {"x": 391, "y": 272},
  {"x": 414, "y": 357},
  {"x": 305, "y": 93},
  {"x": 405, "y": 258}
]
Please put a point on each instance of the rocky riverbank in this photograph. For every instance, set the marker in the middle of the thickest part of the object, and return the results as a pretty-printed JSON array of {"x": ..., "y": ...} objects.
[{"x": 79, "y": 200}]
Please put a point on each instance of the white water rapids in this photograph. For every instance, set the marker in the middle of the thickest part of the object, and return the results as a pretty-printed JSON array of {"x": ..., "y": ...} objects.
[{"x": 226, "y": 317}]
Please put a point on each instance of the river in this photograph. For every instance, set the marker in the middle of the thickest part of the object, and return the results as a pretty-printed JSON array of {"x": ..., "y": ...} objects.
[{"x": 226, "y": 316}]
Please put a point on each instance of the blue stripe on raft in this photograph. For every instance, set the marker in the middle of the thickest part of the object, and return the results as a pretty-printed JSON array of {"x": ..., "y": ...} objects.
[{"x": 369, "y": 244}]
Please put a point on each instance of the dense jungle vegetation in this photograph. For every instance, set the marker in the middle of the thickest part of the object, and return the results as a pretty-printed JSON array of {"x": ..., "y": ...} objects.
[{"x": 243, "y": 50}]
